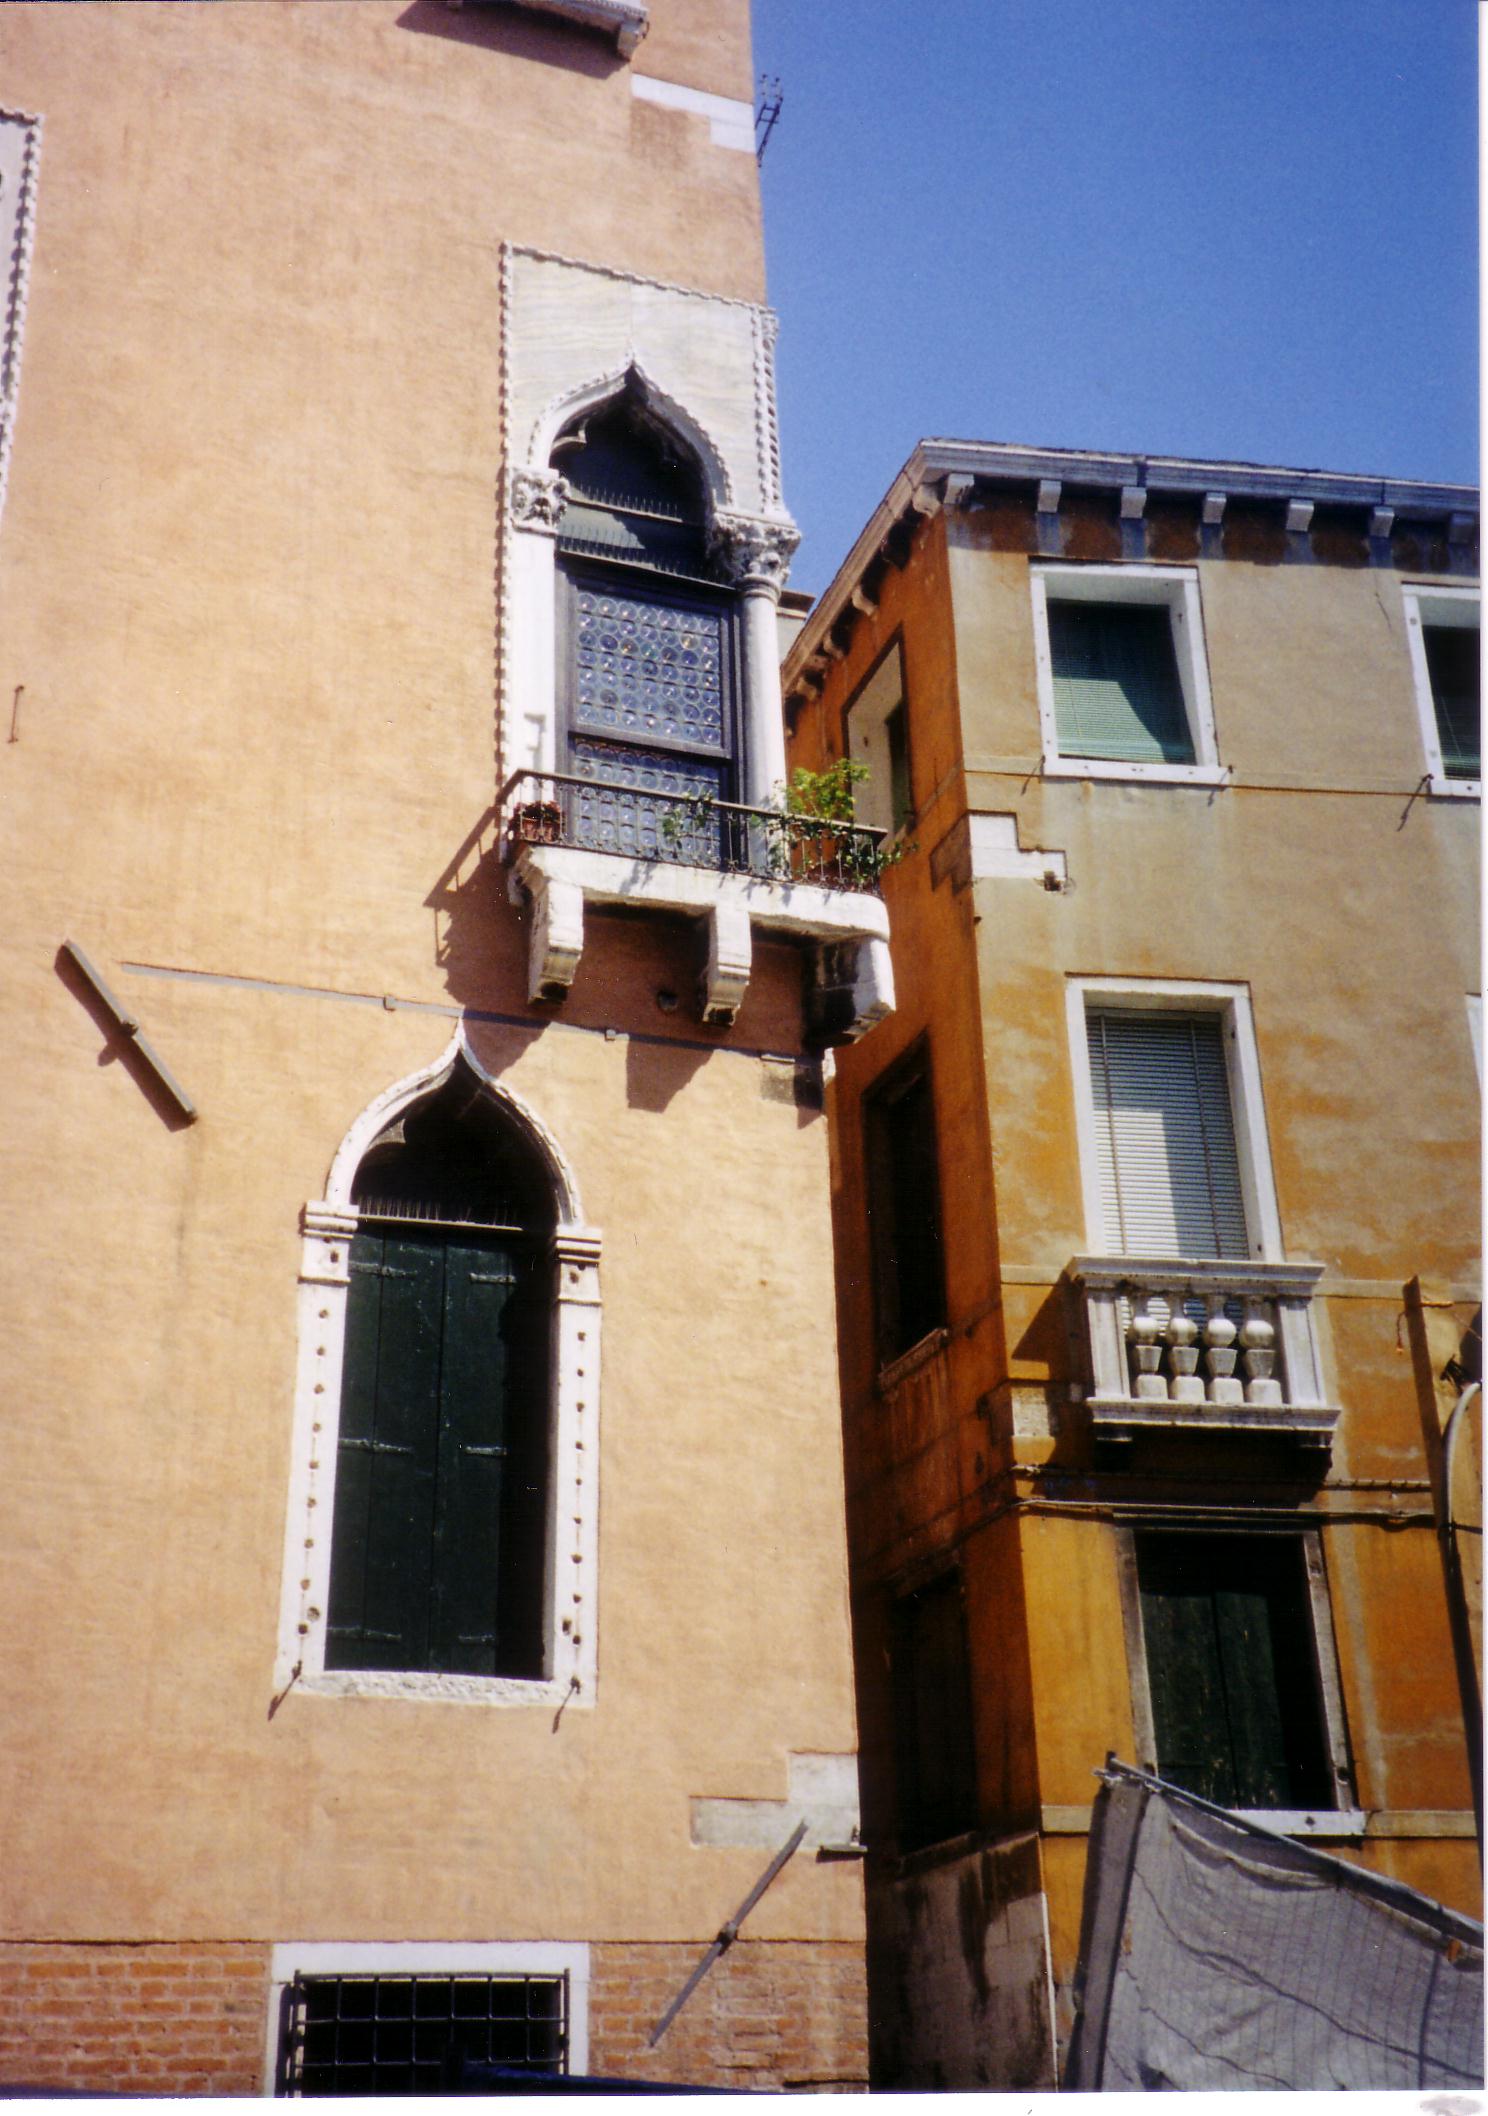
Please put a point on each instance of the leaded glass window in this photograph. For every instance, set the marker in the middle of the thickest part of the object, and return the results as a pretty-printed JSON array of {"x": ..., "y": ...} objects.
[{"x": 648, "y": 649}]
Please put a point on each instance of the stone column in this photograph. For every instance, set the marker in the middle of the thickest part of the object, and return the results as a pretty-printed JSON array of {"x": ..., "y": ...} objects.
[
  {"x": 755, "y": 555},
  {"x": 535, "y": 502}
]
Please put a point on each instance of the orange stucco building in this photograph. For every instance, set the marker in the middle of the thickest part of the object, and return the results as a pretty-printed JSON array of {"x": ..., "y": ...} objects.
[
  {"x": 1156, "y": 1199},
  {"x": 392, "y": 536}
]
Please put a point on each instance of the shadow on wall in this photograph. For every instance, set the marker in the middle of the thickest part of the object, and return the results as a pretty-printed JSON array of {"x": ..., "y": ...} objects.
[{"x": 564, "y": 44}]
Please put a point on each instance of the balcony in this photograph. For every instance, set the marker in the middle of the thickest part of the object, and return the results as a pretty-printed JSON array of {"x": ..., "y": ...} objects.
[
  {"x": 1208, "y": 1346},
  {"x": 573, "y": 840}
]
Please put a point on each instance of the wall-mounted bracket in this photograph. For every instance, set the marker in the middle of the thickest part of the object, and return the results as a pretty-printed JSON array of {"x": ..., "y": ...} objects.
[{"x": 128, "y": 1027}]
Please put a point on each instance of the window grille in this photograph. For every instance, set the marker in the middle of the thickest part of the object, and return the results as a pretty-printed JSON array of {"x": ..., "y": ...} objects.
[{"x": 402, "y": 2034}]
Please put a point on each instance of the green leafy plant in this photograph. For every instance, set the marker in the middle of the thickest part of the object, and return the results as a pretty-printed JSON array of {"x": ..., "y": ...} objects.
[{"x": 827, "y": 797}]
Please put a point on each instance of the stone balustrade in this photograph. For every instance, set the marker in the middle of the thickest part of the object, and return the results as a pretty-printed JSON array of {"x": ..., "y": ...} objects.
[{"x": 1203, "y": 1343}]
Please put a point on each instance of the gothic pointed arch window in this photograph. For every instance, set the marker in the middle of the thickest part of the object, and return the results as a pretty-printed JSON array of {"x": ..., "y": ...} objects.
[
  {"x": 442, "y": 1469},
  {"x": 649, "y": 685}
]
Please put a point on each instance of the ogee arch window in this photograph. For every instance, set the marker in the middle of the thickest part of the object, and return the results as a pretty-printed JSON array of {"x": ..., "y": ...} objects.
[
  {"x": 650, "y": 710},
  {"x": 442, "y": 1454}
]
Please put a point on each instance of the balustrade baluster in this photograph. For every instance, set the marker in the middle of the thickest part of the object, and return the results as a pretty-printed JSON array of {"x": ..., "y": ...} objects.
[
  {"x": 1258, "y": 1338},
  {"x": 1187, "y": 1384},
  {"x": 1143, "y": 1335}
]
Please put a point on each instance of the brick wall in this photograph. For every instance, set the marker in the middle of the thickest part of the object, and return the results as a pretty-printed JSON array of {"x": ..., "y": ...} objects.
[
  {"x": 152, "y": 2018},
  {"x": 778, "y": 2014}
]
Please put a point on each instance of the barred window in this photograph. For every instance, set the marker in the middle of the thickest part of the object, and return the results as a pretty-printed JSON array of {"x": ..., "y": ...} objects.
[{"x": 410, "y": 2034}]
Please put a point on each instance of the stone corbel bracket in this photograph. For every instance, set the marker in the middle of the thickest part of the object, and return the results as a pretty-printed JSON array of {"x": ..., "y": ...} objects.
[
  {"x": 624, "y": 20},
  {"x": 852, "y": 984}
]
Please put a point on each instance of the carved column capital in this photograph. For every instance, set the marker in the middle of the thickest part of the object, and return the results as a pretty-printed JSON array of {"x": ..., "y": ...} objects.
[
  {"x": 537, "y": 499},
  {"x": 753, "y": 553}
]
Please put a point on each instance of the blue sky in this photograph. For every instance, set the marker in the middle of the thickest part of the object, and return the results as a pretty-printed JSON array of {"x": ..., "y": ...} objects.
[{"x": 1239, "y": 228}]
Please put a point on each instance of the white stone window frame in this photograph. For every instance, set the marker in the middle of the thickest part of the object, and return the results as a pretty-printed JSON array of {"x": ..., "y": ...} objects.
[
  {"x": 1231, "y": 1005},
  {"x": 330, "y": 1958},
  {"x": 1344, "y": 1818},
  {"x": 1173, "y": 588},
  {"x": 755, "y": 555},
  {"x": 864, "y": 723},
  {"x": 1430, "y": 605},
  {"x": 571, "y": 1564}
]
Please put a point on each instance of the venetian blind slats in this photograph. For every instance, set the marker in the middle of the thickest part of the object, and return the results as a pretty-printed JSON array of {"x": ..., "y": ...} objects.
[
  {"x": 1117, "y": 691},
  {"x": 1165, "y": 1136}
]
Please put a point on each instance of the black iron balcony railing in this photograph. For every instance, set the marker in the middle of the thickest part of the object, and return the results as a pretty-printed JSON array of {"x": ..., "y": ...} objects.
[{"x": 690, "y": 829}]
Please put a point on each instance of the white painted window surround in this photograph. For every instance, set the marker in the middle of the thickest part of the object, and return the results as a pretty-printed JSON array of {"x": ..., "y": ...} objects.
[
  {"x": 1231, "y": 1003},
  {"x": 570, "y": 1588},
  {"x": 1437, "y": 606},
  {"x": 292, "y": 1958},
  {"x": 866, "y": 725},
  {"x": 730, "y": 121},
  {"x": 1174, "y": 588},
  {"x": 1343, "y": 1818}
]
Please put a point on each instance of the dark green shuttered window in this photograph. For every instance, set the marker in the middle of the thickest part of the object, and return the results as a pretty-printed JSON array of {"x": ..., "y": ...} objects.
[
  {"x": 441, "y": 1462},
  {"x": 1452, "y": 660},
  {"x": 935, "y": 1759},
  {"x": 1117, "y": 691},
  {"x": 904, "y": 1207},
  {"x": 1236, "y": 1706}
]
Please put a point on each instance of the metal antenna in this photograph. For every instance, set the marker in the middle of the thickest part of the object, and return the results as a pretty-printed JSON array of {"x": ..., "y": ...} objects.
[{"x": 770, "y": 99}]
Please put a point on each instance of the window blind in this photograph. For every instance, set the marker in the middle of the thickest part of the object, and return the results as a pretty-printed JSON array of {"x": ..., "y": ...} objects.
[
  {"x": 1117, "y": 691},
  {"x": 1165, "y": 1136}
]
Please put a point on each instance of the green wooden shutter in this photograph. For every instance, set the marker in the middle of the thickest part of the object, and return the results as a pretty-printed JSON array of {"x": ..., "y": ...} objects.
[
  {"x": 473, "y": 1400},
  {"x": 901, "y": 795},
  {"x": 1236, "y": 1710},
  {"x": 1117, "y": 691},
  {"x": 1452, "y": 659},
  {"x": 382, "y": 1545},
  {"x": 1165, "y": 1136},
  {"x": 440, "y": 1517}
]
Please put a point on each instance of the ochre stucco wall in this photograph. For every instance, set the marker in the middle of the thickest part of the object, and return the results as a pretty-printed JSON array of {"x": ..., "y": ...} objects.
[
  {"x": 246, "y": 580},
  {"x": 1321, "y": 878}
]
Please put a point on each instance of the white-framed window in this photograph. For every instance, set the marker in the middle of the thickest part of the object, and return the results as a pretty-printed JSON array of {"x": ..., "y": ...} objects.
[
  {"x": 1234, "y": 1674},
  {"x": 1170, "y": 1119},
  {"x": 445, "y": 1345},
  {"x": 1123, "y": 679},
  {"x": 1442, "y": 631},
  {"x": 877, "y": 727},
  {"x": 416, "y": 2016}
]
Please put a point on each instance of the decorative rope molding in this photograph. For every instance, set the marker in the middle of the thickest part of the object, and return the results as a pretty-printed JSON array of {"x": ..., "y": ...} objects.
[
  {"x": 635, "y": 279},
  {"x": 767, "y": 425},
  {"x": 19, "y": 160},
  {"x": 503, "y": 511}
]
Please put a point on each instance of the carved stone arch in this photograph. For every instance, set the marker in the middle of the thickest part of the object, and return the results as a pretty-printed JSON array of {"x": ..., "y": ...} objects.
[
  {"x": 569, "y": 1582},
  {"x": 386, "y": 1108},
  {"x": 562, "y": 410}
]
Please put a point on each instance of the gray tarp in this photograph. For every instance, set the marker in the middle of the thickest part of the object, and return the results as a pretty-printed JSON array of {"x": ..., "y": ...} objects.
[{"x": 1213, "y": 1955}]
